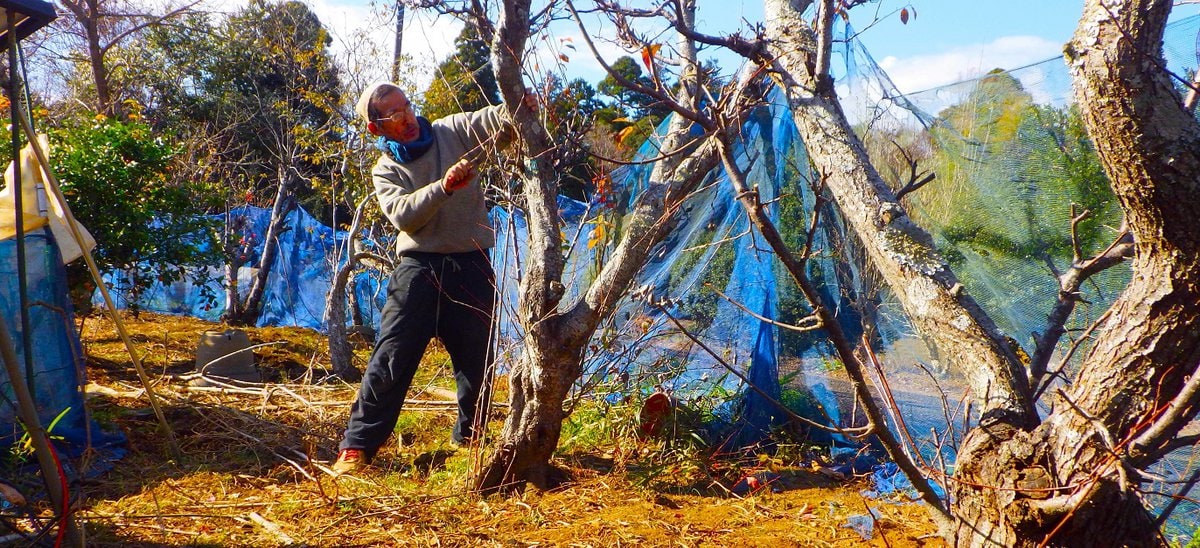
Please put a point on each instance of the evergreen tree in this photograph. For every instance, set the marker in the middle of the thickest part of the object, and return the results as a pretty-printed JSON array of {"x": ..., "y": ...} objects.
[{"x": 464, "y": 81}]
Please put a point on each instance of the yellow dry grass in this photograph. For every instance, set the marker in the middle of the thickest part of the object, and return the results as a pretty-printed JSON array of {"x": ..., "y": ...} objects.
[{"x": 251, "y": 471}]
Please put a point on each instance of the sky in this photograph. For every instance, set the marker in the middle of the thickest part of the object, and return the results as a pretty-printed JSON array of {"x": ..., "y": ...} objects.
[
  {"x": 943, "y": 41},
  {"x": 948, "y": 41}
]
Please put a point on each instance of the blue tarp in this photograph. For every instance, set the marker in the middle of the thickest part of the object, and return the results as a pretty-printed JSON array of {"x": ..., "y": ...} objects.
[
  {"x": 308, "y": 255},
  {"x": 57, "y": 358}
]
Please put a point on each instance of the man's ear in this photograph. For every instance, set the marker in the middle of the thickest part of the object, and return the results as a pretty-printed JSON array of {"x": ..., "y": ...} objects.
[{"x": 373, "y": 128}]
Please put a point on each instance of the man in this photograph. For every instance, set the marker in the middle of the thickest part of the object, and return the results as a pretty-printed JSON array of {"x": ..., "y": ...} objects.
[{"x": 443, "y": 285}]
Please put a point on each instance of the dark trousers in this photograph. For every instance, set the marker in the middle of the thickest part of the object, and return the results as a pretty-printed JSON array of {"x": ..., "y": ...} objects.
[{"x": 448, "y": 296}]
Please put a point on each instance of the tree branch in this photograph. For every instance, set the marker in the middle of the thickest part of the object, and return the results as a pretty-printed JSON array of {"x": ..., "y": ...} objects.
[
  {"x": 915, "y": 180},
  {"x": 824, "y": 46},
  {"x": 1152, "y": 444},
  {"x": 813, "y": 318},
  {"x": 845, "y": 351},
  {"x": 1069, "y": 283},
  {"x": 154, "y": 20},
  {"x": 656, "y": 92}
]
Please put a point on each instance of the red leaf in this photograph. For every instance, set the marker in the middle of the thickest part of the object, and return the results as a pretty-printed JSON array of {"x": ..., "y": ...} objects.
[
  {"x": 904, "y": 16},
  {"x": 648, "y": 54}
]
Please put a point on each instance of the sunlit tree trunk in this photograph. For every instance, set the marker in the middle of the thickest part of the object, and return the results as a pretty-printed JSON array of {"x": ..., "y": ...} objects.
[
  {"x": 557, "y": 333},
  {"x": 1070, "y": 479},
  {"x": 249, "y": 309}
]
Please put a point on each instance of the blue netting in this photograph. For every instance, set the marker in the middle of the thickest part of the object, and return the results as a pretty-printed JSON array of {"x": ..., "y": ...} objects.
[
  {"x": 58, "y": 367},
  {"x": 308, "y": 255},
  {"x": 999, "y": 209}
]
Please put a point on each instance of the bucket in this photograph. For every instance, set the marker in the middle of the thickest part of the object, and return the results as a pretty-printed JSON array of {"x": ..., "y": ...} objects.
[{"x": 225, "y": 355}]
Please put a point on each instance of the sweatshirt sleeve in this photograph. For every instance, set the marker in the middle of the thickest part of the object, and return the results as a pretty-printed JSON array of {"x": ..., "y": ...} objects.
[
  {"x": 403, "y": 203},
  {"x": 478, "y": 127}
]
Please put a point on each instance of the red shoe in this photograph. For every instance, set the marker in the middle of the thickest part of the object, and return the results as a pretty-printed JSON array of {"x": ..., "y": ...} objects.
[{"x": 349, "y": 460}]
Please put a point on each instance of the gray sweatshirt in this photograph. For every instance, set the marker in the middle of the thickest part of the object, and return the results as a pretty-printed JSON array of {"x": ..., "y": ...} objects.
[{"x": 412, "y": 196}]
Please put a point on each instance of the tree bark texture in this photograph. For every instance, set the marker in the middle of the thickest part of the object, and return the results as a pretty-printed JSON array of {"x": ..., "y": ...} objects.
[
  {"x": 1071, "y": 479},
  {"x": 556, "y": 336},
  {"x": 341, "y": 355},
  {"x": 902, "y": 252}
]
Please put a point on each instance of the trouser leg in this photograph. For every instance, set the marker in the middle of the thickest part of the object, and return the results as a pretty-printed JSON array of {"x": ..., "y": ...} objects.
[
  {"x": 405, "y": 328},
  {"x": 465, "y": 328}
]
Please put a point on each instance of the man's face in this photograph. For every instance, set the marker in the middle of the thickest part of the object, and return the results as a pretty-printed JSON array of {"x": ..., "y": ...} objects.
[{"x": 396, "y": 121}]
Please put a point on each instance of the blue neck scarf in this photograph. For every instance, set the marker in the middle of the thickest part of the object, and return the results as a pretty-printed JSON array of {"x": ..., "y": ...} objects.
[{"x": 407, "y": 152}]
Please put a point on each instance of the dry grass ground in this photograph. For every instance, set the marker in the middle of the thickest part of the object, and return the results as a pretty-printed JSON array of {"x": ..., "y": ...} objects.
[{"x": 250, "y": 470}]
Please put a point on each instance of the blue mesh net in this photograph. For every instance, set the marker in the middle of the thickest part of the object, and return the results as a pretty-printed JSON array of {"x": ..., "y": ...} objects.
[
  {"x": 57, "y": 359},
  {"x": 308, "y": 255}
]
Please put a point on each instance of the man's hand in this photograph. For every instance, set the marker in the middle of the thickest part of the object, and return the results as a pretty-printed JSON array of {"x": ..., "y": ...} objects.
[{"x": 458, "y": 175}]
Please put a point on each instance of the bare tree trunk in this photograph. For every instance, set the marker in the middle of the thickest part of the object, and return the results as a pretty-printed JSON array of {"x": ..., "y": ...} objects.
[
  {"x": 104, "y": 100},
  {"x": 340, "y": 353},
  {"x": 902, "y": 252},
  {"x": 557, "y": 336},
  {"x": 235, "y": 252},
  {"x": 341, "y": 356},
  {"x": 249, "y": 309},
  {"x": 397, "y": 51},
  {"x": 538, "y": 385}
]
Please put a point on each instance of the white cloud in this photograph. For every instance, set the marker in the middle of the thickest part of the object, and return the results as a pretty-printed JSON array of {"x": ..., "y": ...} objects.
[{"x": 921, "y": 72}]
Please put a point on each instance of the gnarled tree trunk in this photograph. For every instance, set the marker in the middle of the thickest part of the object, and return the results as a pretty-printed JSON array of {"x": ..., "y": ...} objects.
[
  {"x": 1132, "y": 394},
  {"x": 341, "y": 355},
  {"x": 1070, "y": 479},
  {"x": 556, "y": 335}
]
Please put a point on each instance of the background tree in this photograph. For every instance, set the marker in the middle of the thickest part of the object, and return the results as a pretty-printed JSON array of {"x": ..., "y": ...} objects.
[
  {"x": 92, "y": 30},
  {"x": 147, "y": 225},
  {"x": 633, "y": 102},
  {"x": 1009, "y": 173},
  {"x": 264, "y": 92},
  {"x": 463, "y": 82},
  {"x": 634, "y": 115}
]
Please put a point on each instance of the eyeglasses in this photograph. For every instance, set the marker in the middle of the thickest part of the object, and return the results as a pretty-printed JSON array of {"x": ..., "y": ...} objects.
[{"x": 398, "y": 115}]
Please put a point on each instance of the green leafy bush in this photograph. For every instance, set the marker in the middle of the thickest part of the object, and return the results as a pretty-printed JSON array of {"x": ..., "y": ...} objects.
[{"x": 116, "y": 176}]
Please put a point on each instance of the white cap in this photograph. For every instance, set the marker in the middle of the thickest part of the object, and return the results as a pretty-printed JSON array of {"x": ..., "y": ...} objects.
[{"x": 363, "y": 100}]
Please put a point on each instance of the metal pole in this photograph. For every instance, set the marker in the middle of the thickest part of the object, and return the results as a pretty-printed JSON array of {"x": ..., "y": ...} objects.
[{"x": 18, "y": 209}]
